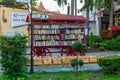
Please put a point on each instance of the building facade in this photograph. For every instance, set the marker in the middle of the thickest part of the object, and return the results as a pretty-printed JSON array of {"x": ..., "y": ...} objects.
[{"x": 5, "y": 21}]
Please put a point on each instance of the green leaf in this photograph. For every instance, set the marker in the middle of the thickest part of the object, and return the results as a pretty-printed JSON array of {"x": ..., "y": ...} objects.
[{"x": 74, "y": 62}]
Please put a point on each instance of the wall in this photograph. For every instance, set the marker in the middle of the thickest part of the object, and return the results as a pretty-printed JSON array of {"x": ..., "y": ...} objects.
[
  {"x": 93, "y": 22},
  {"x": 5, "y": 25}
]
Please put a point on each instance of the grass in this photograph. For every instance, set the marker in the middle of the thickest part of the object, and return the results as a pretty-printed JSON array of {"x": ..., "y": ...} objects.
[{"x": 70, "y": 76}]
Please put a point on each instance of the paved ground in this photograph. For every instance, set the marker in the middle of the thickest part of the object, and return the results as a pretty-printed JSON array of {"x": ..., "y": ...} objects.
[
  {"x": 59, "y": 68},
  {"x": 103, "y": 53}
]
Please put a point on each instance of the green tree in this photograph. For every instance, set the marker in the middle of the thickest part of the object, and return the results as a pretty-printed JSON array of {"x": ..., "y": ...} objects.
[
  {"x": 61, "y": 2},
  {"x": 88, "y": 5},
  {"x": 107, "y": 4},
  {"x": 74, "y": 63},
  {"x": 77, "y": 46},
  {"x": 15, "y": 4},
  {"x": 13, "y": 60},
  {"x": 12, "y": 4},
  {"x": 64, "y": 2},
  {"x": 91, "y": 41}
]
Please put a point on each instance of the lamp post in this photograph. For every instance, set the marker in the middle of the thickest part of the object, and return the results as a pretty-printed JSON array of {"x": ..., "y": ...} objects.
[
  {"x": 31, "y": 32},
  {"x": 29, "y": 2}
]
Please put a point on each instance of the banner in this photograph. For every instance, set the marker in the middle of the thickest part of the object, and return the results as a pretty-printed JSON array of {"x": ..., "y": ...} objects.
[{"x": 19, "y": 19}]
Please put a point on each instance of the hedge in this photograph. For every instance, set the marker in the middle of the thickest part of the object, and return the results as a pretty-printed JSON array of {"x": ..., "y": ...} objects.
[{"x": 109, "y": 64}]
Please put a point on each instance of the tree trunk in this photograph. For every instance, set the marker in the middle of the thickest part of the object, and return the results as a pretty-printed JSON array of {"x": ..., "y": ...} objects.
[
  {"x": 100, "y": 27},
  {"x": 111, "y": 13},
  {"x": 68, "y": 9},
  {"x": 72, "y": 7},
  {"x": 76, "y": 7}
]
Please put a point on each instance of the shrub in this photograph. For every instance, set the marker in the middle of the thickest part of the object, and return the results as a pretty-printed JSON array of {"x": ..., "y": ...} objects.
[
  {"x": 87, "y": 40},
  {"x": 91, "y": 40},
  {"x": 13, "y": 59},
  {"x": 98, "y": 39},
  {"x": 101, "y": 48},
  {"x": 102, "y": 44},
  {"x": 80, "y": 62},
  {"x": 74, "y": 62},
  {"x": 113, "y": 44},
  {"x": 109, "y": 64},
  {"x": 77, "y": 46},
  {"x": 117, "y": 38}
]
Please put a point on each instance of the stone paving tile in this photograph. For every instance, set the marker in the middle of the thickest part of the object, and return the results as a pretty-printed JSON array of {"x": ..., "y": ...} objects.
[
  {"x": 103, "y": 53},
  {"x": 59, "y": 68}
]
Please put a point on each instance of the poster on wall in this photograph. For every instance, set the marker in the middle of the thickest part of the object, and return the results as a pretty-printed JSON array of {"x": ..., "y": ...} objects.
[
  {"x": 19, "y": 19},
  {"x": 23, "y": 1},
  {"x": 11, "y": 33}
]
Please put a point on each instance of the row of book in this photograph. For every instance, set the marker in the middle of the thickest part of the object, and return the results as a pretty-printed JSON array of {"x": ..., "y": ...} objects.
[
  {"x": 45, "y": 43},
  {"x": 70, "y": 36},
  {"x": 56, "y": 26},
  {"x": 46, "y": 37},
  {"x": 73, "y": 31},
  {"x": 57, "y": 31},
  {"x": 58, "y": 37},
  {"x": 52, "y": 43},
  {"x": 51, "y": 31},
  {"x": 70, "y": 26},
  {"x": 46, "y": 26}
]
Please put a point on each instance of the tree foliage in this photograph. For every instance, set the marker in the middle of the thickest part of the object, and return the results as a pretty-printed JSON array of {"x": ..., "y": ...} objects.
[
  {"x": 13, "y": 59},
  {"x": 61, "y": 2},
  {"x": 88, "y": 5},
  {"x": 99, "y": 4},
  {"x": 15, "y": 4},
  {"x": 91, "y": 40},
  {"x": 77, "y": 46},
  {"x": 80, "y": 62},
  {"x": 74, "y": 62}
]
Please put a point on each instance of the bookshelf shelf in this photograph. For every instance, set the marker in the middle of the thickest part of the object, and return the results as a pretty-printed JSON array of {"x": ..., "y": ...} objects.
[{"x": 59, "y": 35}]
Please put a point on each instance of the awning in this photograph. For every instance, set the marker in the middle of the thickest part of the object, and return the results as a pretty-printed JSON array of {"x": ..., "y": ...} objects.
[{"x": 114, "y": 28}]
